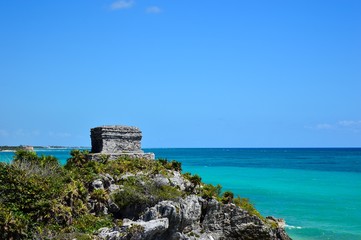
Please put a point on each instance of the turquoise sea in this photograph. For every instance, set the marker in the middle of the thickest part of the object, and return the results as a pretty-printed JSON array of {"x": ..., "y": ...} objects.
[{"x": 317, "y": 191}]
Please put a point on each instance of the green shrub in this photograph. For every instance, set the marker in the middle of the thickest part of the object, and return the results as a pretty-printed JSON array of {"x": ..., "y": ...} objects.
[
  {"x": 143, "y": 192},
  {"x": 166, "y": 193},
  {"x": 37, "y": 194},
  {"x": 245, "y": 204},
  {"x": 132, "y": 194},
  {"x": 211, "y": 191},
  {"x": 162, "y": 161},
  {"x": 100, "y": 195},
  {"x": 25, "y": 155},
  {"x": 88, "y": 223},
  {"x": 195, "y": 180},
  {"x": 172, "y": 165},
  {"x": 31, "y": 163},
  {"x": 187, "y": 175},
  {"x": 78, "y": 158},
  {"x": 77, "y": 236},
  {"x": 176, "y": 166},
  {"x": 13, "y": 224},
  {"x": 30, "y": 193},
  {"x": 227, "y": 197}
]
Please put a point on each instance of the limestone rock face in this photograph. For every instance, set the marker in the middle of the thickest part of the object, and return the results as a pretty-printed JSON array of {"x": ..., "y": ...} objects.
[
  {"x": 195, "y": 218},
  {"x": 150, "y": 229}
]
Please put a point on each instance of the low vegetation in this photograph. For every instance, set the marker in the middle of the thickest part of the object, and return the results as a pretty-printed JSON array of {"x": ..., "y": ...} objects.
[{"x": 39, "y": 199}]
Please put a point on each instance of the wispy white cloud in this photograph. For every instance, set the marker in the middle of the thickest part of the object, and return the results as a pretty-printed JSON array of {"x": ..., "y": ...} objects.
[
  {"x": 352, "y": 125},
  {"x": 25, "y": 133},
  {"x": 121, "y": 4},
  {"x": 59, "y": 134},
  {"x": 4, "y": 133},
  {"x": 19, "y": 133},
  {"x": 324, "y": 126},
  {"x": 153, "y": 10}
]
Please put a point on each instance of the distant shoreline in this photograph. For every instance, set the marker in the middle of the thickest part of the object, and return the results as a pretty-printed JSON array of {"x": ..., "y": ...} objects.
[{"x": 35, "y": 148}]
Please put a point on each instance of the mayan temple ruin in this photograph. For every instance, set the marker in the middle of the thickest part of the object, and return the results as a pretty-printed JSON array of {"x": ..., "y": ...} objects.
[{"x": 117, "y": 141}]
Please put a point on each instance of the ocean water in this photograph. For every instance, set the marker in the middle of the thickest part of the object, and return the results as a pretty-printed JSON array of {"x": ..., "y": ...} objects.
[{"x": 317, "y": 191}]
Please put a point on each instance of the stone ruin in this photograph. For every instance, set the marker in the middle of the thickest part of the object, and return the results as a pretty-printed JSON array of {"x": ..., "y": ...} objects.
[{"x": 117, "y": 141}]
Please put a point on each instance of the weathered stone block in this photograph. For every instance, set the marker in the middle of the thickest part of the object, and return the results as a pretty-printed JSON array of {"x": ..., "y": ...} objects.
[
  {"x": 113, "y": 142},
  {"x": 116, "y": 139}
]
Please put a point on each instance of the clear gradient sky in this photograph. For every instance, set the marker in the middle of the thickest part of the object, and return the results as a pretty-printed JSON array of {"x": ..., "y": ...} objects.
[{"x": 233, "y": 73}]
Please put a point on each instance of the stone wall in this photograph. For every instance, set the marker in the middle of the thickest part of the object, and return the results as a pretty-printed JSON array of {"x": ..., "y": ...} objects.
[{"x": 117, "y": 141}]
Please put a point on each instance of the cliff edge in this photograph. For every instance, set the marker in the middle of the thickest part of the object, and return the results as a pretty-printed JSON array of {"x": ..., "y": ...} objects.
[
  {"x": 120, "y": 195},
  {"x": 179, "y": 207}
]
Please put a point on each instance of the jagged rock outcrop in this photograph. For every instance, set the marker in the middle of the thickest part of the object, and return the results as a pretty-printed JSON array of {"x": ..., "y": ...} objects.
[
  {"x": 112, "y": 142},
  {"x": 175, "y": 180},
  {"x": 140, "y": 196},
  {"x": 194, "y": 217}
]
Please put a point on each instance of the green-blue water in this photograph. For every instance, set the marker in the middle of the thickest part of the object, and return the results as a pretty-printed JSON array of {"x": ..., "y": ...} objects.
[{"x": 317, "y": 191}]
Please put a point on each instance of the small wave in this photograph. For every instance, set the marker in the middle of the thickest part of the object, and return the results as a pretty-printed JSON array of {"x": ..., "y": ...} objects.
[{"x": 293, "y": 227}]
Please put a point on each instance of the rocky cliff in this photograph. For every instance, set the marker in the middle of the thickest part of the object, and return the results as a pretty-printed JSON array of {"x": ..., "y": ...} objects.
[
  {"x": 190, "y": 213},
  {"x": 109, "y": 195}
]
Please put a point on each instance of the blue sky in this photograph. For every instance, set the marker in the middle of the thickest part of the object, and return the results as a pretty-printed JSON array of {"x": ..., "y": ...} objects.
[{"x": 233, "y": 73}]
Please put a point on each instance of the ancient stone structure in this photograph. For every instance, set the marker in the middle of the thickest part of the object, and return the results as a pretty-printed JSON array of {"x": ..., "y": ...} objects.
[{"x": 116, "y": 141}]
